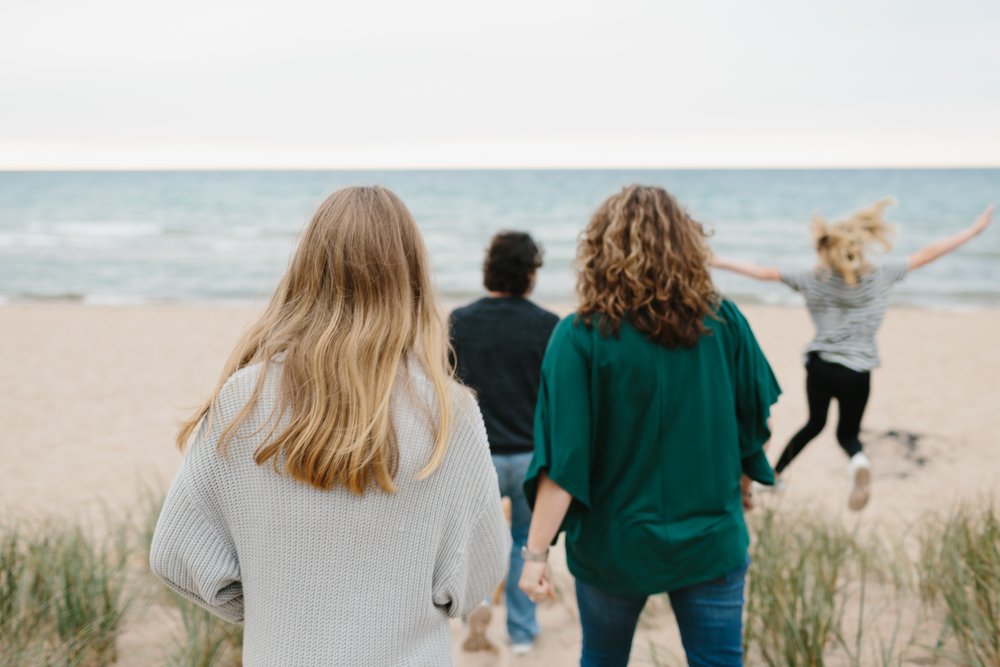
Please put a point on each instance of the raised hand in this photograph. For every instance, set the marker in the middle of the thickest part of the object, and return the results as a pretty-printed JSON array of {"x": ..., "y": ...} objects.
[{"x": 984, "y": 220}]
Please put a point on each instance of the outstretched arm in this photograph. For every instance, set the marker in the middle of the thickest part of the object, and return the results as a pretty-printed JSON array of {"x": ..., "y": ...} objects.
[
  {"x": 746, "y": 268},
  {"x": 941, "y": 247}
]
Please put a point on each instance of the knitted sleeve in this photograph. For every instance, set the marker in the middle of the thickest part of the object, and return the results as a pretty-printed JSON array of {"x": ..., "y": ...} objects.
[
  {"x": 478, "y": 566},
  {"x": 473, "y": 558},
  {"x": 193, "y": 552},
  {"x": 195, "y": 557}
]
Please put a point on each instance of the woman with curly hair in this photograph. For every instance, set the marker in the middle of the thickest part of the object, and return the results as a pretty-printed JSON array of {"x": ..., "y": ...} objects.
[
  {"x": 847, "y": 296},
  {"x": 651, "y": 420}
]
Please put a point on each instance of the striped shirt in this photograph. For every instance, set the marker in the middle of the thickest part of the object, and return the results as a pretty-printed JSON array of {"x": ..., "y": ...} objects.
[{"x": 847, "y": 318}]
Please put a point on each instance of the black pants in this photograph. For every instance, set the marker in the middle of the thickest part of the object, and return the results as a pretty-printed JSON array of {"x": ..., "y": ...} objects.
[{"x": 826, "y": 380}]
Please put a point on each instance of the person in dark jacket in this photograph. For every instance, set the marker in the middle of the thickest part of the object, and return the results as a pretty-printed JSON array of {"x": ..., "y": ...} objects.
[{"x": 499, "y": 342}]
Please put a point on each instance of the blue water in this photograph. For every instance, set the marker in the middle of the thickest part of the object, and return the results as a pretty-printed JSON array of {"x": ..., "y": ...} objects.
[{"x": 126, "y": 237}]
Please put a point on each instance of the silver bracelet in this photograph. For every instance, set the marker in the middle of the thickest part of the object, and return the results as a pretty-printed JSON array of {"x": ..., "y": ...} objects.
[{"x": 535, "y": 556}]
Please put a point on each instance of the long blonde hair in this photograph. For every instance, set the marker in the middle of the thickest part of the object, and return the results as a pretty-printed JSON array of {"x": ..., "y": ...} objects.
[
  {"x": 355, "y": 303},
  {"x": 644, "y": 260},
  {"x": 842, "y": 246}
]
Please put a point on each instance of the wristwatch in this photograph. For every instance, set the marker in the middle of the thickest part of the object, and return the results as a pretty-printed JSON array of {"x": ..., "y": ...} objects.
[{"x": 535, "y": 556}]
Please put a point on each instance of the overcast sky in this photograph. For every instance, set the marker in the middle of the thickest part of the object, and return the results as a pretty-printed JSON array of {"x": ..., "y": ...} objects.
[{"x": 462, "y": 83}]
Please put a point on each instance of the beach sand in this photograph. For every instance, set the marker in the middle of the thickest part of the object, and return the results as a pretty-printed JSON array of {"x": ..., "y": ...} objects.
[{"x": 92, "y": 396}]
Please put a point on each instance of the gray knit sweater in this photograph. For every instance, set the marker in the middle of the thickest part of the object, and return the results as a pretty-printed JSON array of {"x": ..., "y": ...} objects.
[{"x": 326, "y": 577}]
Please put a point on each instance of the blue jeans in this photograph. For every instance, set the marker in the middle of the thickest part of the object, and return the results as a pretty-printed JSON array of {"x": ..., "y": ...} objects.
[
  {"x": 709, "y": 615},
  {"x": 511, "y": 469}
]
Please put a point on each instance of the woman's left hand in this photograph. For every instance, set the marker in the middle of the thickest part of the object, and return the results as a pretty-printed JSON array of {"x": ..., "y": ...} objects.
[
  {"x": 746, "y": 487},
  {"x": 536, "y": 581}
]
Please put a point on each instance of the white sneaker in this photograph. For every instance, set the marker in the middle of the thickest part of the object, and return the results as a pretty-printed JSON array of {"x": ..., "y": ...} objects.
[
  {"x": 521, "y": 649},
  {"x": 859, "y": 472}
]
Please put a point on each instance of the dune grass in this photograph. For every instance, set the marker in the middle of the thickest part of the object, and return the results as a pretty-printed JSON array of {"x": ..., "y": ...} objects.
[
  {"x": 63, "y": 597},
  {"x": 960, "y": 572},
  {"x": 65, "y": 593},
  {"x": 795, "y": 590},
  {"x": 818, "y": 593},
  {"x": 207, "y": 640},
  {"x": 202, "y": 639}
]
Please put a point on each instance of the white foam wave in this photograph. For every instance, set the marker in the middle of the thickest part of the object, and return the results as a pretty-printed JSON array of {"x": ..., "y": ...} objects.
[
  {"x": 108, "y": 229},
  {"x": 28, "y": 240}
]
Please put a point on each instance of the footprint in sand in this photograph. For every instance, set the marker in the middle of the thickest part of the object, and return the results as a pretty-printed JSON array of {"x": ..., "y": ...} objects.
[{"x": 900, "y": 453}]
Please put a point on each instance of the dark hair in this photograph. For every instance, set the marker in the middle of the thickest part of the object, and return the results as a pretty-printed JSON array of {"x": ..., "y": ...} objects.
[{"x": 510, "y": 261}]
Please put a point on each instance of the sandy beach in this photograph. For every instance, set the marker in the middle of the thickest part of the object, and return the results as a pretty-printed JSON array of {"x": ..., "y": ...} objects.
[{"x": 92, "y": 397}]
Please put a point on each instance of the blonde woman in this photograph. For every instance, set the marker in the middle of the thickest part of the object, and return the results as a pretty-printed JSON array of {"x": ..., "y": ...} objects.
[
  {"x": 651, "y": 418},
  {"x": 337, "y": 494},
  {"x": 847, "y": 296}
]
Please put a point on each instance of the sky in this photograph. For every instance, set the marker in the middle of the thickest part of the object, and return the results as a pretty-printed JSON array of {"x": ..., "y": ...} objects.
[{"x": 121, "y": 84}]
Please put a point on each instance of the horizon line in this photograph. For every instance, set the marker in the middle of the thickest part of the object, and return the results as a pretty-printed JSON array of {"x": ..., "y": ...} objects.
[{"x": 261, "y": 168}]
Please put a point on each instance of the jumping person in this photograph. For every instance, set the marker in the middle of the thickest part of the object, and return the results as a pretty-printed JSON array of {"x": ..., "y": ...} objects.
[
  {"x": 847, "y": 296},
  {"x": 652, "y": 416},
  {"x": 337, "y": 494}
]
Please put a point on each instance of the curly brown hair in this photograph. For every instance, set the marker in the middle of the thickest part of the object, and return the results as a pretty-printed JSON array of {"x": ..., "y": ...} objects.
[{"x": 644, "y": 260}]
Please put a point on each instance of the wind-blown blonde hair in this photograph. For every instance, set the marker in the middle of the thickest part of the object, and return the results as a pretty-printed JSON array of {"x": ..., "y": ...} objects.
[
  {"x": 644, "y": 260},
  {"x": 354, "y": 305},
  {"x": 842, "y": 246}
]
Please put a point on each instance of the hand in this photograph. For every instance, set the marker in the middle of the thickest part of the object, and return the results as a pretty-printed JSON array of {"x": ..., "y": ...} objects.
[
  {"x": 536, "y": 581},
  {"x": 983, "y": 221},
  {"x": 746, "y": 487}
]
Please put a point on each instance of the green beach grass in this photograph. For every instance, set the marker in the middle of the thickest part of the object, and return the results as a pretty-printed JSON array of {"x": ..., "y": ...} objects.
[
  {"x": 819, "y": 594},
  {"x": 63, "y": 597}
]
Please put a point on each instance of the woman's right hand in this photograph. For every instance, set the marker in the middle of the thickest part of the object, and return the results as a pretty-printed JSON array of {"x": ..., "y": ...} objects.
[
  {"x": 941, "y": 247},
  {"x": 983, "y": 221},
  {"x": 536, "y": 581}
]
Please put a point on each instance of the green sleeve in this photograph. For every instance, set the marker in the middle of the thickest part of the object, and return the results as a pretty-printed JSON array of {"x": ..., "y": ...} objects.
[
  {"x": 756, "y": 391},
  {"x": 562, "y": 417}
]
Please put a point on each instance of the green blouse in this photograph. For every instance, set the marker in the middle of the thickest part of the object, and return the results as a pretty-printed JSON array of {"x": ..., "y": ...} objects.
[{"x": 651, "y": 443}]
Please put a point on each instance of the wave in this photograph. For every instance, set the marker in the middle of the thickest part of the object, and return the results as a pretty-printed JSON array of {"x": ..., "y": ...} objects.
[
  {"x": 112, "y": 299},
  {"x": 107, "y": 229},
  {"x": 72, "y": 297},
  {"x": 49, "y": 236},
  {"x": 28, "y": 240},
  {"x": 964, "y": 302}
]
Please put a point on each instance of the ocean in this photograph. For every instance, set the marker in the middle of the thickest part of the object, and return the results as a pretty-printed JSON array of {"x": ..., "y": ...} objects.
[{"x": 226, "y": 236}]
